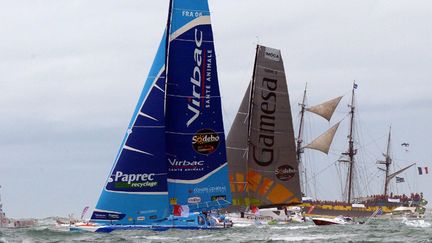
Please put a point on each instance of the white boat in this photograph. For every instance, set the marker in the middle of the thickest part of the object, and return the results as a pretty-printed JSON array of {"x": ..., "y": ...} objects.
[
  {"x": 409, "y": 212},
  {"x": 335, "y": 220}
]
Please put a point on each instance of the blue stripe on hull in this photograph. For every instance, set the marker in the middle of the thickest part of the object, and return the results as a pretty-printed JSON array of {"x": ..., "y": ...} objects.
[{"x": 193, "y": 221}]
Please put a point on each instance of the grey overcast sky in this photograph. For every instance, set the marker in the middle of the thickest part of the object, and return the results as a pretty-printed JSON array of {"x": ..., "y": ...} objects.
[{"x": 71, "y": 73}]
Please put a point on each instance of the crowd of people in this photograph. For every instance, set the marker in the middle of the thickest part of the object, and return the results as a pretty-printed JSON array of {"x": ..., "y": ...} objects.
[{"x": 377, "y": 199}]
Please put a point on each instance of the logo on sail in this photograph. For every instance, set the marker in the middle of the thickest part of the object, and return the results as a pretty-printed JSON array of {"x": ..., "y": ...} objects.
[
  {"x": 196, "y": 79},
  {"x": 205, "y": 141},
  {"x": 263, "y": 151},
  {"x": 272, "y": 54},
  {"x": 122, "y": 180},
  {"x": 185, "y": 165},
  {"x": 218, "y": 197},
  {"x": 194, "y": 200},
  {"x": 285, "y": 172}
]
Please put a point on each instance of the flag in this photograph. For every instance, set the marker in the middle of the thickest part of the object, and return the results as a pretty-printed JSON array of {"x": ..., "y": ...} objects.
[
  {"x": 177, "y": 210},
  {"x": 379, "y": 211},
  {"x": 310, "y": 210},
  {"x": 423, "y": 170},
  {"x": 181, "y": 210},
  {"x": 355, "y": 86},
  {"x": 185, "y": 211},
  {"x": 400, "y": 179},
  {"x": 84, "y": 212},
  {"x": 254, "y": 210}
]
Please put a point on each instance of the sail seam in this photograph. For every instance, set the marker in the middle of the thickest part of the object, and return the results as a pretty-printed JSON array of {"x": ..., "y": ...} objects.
[
  {"x": 189, "y": 133},
  {"x": 191, "y": 96},
  {"x": 272, "y": 69}
]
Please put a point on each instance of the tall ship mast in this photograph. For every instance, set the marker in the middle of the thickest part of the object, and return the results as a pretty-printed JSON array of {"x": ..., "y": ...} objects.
[
  {"x": 321, "y": 143},
  {"x": 353, "y": 204},
  {"x": 299, "y": 149},
  {"x": 351, "y": 150},
  {"x": 387, "y": 162}
]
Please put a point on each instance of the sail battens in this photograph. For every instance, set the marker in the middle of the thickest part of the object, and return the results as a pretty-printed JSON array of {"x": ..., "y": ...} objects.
[
  {"x": 274, "y": 91},
  {"x": 149, "y": 127},
  {"x": 194, "y": 132},
  {"x": 174, "y": 138},
  {"x": 189, "y": 40},
  {"x": 185, "y": 133},
  {"x": 193, "y": 97},
  {"x": 136, "y": 150},
  {"x": 235, "y": 148},
  {"x": 147, "y": 93},
  {"x": 148, "y": 116},
  {"x": 324, "y": 141},
  {"x": 264, "y": 132},
  {"x": 159, "y": 88},
  {"x": 271, "y": 69}
]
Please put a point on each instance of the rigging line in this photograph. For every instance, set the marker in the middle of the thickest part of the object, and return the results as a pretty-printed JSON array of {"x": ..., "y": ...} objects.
[
  {"x": 228, "y": 118},
  {"x": 401, "y": 160},
  {"x": 373, "y": 177},
  {"x": 339, "y": 176},
  {"x": 321, "y": 171},
  {"x": 373, "y": 141}
]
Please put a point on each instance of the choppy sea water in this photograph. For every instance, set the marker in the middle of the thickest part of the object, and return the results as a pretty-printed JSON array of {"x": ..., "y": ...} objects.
[{"x": 375, "y": 231}]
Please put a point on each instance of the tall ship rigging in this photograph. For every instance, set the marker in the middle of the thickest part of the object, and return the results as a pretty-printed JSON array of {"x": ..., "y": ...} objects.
[{"x": 353, "y": 203}]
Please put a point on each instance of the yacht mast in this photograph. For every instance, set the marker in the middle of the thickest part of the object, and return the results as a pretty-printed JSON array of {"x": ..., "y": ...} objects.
[{"x": 299, "y": 150}]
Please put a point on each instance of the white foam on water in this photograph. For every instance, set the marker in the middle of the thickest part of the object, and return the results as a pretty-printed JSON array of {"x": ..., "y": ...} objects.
[
  {"x": 2, "y": 239},
  {"x": 302, "y": 238},
  {"x": 293, "y": 227},
  {"x": 156, "y": 237},
  {"x": 242, "y": 225},
  {"x": 200, "y": 237},
  {"x": 417, "y": 223}
]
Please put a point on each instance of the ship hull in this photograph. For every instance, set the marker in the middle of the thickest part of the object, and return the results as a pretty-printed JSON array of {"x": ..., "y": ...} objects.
[
  {"x": 192, "y": 222},
  {"x": 350, "y": 211}
]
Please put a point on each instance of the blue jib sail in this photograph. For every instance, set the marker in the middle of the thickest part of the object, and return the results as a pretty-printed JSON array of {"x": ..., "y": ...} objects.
[
  {"x": 195, "y": 140},
  {"x": 136, "y": 190}
]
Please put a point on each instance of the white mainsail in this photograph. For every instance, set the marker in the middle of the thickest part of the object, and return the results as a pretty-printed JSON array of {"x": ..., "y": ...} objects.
[
  {"x": 325, "y": 109},
  {"x": 324, "y": 141}
]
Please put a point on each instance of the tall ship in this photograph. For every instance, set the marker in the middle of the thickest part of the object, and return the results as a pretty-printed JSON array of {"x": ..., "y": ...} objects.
[
  {"x": 171, "y": 169},
  {"x": 352, "y": 204},
  {"x": 262, "y": 165}
]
